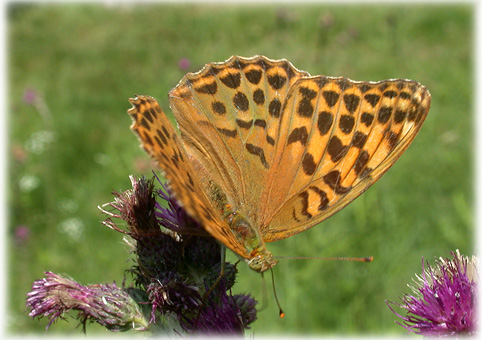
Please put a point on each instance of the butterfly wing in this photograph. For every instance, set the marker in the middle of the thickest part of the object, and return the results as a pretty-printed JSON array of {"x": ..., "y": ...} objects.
[
  {"x": 229, "y": 117},
  {"x": 341, "y": 138},
  {"x": 161, "y": 142},
  {"x": 284, "y": 149}
]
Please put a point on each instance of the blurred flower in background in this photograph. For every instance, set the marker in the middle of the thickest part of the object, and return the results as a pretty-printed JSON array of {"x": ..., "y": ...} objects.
[
  {"x": 284, "y": 17},
  {"x": 445, "y": 299},
  {"x": 33, "y": 98},
  {"x": 28, "y": 183},
  {"x": 39, "y": 141},
  {"x": 184, "y": 64},
  {"x": 72, "y": 227},
  {"x": 29, "y": 96},
  {"x": 18, "y": 152},
  {"x": 326, "y": 20},
  {"x": 21, "y": 234}
]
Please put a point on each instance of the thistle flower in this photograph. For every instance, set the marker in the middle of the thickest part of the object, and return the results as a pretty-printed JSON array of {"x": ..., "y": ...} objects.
[
  {"x": 177, "y": 263},
  {"x": 174, "y": 217},
  {"x": 444, "y": 300},
  {"x": 223, "y": 314},
  {"x": 108, "y": 305}
]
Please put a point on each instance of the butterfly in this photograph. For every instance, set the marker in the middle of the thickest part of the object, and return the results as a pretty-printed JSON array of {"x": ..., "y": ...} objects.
[{"x": 266, "y": 151}]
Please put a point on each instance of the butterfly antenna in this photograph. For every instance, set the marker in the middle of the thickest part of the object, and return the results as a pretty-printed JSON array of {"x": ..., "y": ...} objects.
[
  {"x": 281, "y": 313},
  {"x": 357, "y": 259}
]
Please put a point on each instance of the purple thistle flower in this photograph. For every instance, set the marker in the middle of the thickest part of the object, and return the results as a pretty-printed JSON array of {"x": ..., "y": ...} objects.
[
  {"x": 445, "y": 299},
  {"x": 223, "y": 314},
  {"x": 178, "y": 262},
  {"x": 247, "y": 307},
  {"x": 108, "y": 305},
  {"x": 174, "y": 217},
  {"x": 174, "y": 269}
]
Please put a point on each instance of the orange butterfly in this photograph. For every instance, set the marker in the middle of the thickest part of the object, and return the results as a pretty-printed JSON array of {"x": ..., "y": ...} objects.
[{"x": 267, "y": 151}]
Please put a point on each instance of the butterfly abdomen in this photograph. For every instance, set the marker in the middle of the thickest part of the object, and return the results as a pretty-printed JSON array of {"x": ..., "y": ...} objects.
[{"x": 242, "y": 229}]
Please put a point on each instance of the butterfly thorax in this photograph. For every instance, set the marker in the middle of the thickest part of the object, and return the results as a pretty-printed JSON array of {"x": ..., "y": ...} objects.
[{"x": 261, "y": 258}]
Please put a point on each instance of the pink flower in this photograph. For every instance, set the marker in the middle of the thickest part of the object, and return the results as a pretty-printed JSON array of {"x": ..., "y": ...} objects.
[
  {"x": 29, "y": 97},
  {"x": 22, "y": 233},
  {"x": 444, "y": 299},
  {"x": 184, "y": 63}
]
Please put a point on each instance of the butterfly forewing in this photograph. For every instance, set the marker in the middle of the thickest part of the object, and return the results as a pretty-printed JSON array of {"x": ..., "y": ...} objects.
[
  {"x": 357, "y": 131},
  {"x": 161, "y": 142}
]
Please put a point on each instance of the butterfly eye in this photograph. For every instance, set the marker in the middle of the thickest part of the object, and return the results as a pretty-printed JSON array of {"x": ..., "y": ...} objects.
[{"x": 256, "y": 264}]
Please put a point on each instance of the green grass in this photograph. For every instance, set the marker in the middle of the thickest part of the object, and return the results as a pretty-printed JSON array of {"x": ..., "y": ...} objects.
[{"x": 85, "y": 61}]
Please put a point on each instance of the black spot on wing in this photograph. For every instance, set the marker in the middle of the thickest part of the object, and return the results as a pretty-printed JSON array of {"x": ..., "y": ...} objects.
[
  {"x": 244, "y": 124},
  {"x": 241, "y": 102},
  {"x": 323, "y": 197},
  {"x": 359, "y": 140},
  {"x": 260, "y": 123},
  {"x": 232, "y": 80},
  {"x": 344, "y": 84},
  {"x": 331, "y": 97},
  {"x": 230, "y": 133},
  {"x": 304, "y": 204},
  {"x": 308, "y": 163},
  {"x": 384, "y": 114},
  {"x": 257, "y": 151},
  {"x": 305, "y": 109},
  {"x": 274, "y": 108},
  {"x": 390, "y": 94},
  {"x": 372, "y": 99},
  {"x": 218, "y": 107},
  {"x": 336, "y": 149},
  {"x": 258, "y": 97},
  {"x": 325, "y": 120},
  {"x": 346, "y": 124},
  {"x": 399, "y": 116},
  {"x": 276, "y": 81},
  {"x": 210, "y": 88},
  {"x": 253, "y": 76},
  {"x": 333, "y": 179},
  {"x": 299, "y": 134},
  {"x": 149, "y": 115},
  {"x": 367, "y": 118},
  {"x": 361, "y": 161},
  {"x": 351, "y": 102}
]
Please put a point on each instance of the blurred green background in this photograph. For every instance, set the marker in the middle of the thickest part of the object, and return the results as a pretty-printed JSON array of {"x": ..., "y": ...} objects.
[{"x": 72, "y": 68}]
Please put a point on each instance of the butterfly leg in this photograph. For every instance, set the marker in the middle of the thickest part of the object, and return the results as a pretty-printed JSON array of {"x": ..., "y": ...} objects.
[
  {"x": 208, "y": 293},
  {"x": 221, "y": 274}
]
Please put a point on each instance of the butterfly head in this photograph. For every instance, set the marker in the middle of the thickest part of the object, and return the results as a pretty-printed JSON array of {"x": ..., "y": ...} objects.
[{"x": 262, "y": 262}]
